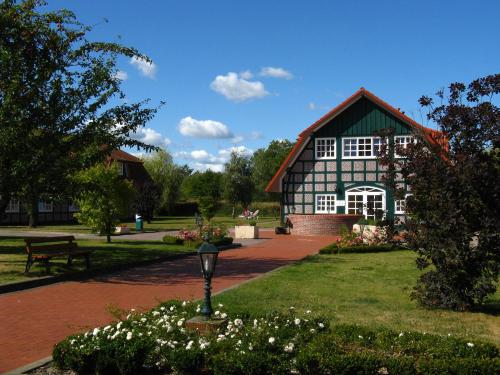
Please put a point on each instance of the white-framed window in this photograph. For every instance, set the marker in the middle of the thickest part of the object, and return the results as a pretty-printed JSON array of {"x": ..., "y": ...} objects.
[
  {"x": 402, "y": 141},
  {"x": 400, "y": 205},
  {"x": 44, "y": 206},
  {"x": 361, "y": 147},
  {"x": 366, "y": 201},
  {"x": 325, "y": 148},
  {"x": 325, "y": 204},
  {"x": 13, "y": 206},
  {"x": 121, "y": 168}
]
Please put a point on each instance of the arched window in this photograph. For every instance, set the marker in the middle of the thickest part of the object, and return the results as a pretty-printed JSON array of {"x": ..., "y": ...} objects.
[{"x": 366, "y": 201}]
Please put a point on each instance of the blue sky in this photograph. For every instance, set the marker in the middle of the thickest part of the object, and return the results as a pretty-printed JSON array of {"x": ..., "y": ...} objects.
[{"x": 240, "y": 74}]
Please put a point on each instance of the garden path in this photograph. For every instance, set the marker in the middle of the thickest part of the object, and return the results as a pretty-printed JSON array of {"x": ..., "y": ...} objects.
[{"x": 32, "y": 321}]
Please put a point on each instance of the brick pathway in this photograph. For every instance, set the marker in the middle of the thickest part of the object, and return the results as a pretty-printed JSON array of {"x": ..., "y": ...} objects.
[{"x": 32, "y": 321}]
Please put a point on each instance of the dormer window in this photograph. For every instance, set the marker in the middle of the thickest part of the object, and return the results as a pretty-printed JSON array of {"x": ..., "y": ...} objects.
[{"x": 325, "y": 148}]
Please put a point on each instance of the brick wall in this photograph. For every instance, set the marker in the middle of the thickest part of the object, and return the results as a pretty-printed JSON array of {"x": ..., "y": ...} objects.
[{"x": 321, "y": 224}]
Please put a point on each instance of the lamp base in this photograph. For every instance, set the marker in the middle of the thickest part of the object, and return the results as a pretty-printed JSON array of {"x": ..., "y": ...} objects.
[{"x": 204, "y": 325}]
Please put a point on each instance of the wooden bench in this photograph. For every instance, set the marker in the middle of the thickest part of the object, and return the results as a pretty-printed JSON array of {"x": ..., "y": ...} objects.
[{"x": 43, "y": 249}]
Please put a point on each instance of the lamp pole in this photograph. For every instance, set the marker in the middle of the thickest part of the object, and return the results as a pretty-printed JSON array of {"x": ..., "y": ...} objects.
[{"x": 208, "y": 257}]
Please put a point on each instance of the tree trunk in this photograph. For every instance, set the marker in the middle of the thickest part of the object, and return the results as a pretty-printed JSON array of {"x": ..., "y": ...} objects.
[
  {"x": 4, "y": 201},
  {"x": 33, "y": 211}
]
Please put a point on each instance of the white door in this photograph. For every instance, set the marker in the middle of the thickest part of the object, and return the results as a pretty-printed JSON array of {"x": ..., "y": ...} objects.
[{"x": 366, "y": 201}]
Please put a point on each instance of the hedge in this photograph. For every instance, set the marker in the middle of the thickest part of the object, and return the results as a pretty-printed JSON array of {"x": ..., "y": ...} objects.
[
  {"x": 335, "y": 249},
  {"x": 157, "y": 342}
]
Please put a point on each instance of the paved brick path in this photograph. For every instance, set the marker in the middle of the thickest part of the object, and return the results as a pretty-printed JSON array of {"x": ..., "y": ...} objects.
[{"x": 32, "y": 321}]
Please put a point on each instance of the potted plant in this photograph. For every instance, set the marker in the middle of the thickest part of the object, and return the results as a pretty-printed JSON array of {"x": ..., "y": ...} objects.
[{"x": 250, "y": 230}]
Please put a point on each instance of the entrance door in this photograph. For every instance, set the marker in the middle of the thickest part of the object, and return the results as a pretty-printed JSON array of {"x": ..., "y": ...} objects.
[{"x": 366, "y": 201}]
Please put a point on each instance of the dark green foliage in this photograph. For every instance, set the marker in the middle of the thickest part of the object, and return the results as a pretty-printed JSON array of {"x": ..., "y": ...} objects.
[
  {"x": 222, "y": 241},
  {"x": 455, "y": 202},
  {"x": 265, "y": 163},
  {"x": 58, "y": 95},
  {"x": 238, "y": 184},
  {"x": 335, "y": 249},
  {"x": 148, "y": 199}
]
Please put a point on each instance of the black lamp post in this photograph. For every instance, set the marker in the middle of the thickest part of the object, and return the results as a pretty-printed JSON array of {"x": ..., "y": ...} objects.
[
  {"x": 199, "y": 221},
  {"x": 208, "y": 257}
]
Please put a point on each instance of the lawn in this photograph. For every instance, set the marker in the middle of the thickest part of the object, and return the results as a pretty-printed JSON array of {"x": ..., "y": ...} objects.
[
  {"x": 162, "y": 223},
  {"x": 367, "y": 289},
  {"x": 13, "y": 257}
]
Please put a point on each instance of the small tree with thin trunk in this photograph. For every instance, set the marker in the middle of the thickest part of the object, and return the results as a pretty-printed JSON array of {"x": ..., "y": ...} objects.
[
  {"x": 238, "y": 184},
  {"x": 104, "y": 198}
]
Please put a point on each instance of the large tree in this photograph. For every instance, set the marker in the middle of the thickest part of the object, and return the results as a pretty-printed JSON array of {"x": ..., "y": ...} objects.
[
  {"x": 167, "y": 176},
  {"x": 60, "y": 107},
  {"x": 238, "y": 184},
  {"x": 265, "y": 163},
  {"x": 454, "y": 206}
]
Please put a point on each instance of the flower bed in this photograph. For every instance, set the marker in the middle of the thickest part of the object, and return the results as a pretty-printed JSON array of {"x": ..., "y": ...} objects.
[
  {"x": 194, "y": 238},
  {"x": 336, "y": 249},
  {"x": 157, "y": 342}
]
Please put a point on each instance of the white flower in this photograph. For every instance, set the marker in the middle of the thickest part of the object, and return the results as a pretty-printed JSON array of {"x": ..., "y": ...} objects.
[
  {"x": 271, "y": 340},
  {"x": 308, "y": 311},
  {"x": 119, "y": 325},
  {"x": 321, "y": 325},
  {"x": 106, "y": 328},
  {"x": 289, "y": 348},
  {"x": 156, "y": 313},
  {"x": 297, "y": 321},
  {"x": 143, "y": 320},
  {"x": 162, "y": 308},
  {"x": 223, "y": 316},
  {"x": 189, "y": 345},
  {"x": 184, "y": 303},
  {"x": 198, "y": 309},
  {"x": 96, "y": 331},
  {"x": 250, "y": 347},
  {"x": 360, "y": 336},
  {"x": 72, "y": 342},
  {"x": 401, "y": 334},
  {"x": 180, "y": 323},
  {"x": 292, "y": 308},
  {"x": 470, "y": 345},
  {"x": 172, "y": 308},
  {"x": 238, "y": 322},
  {"x": 217, "y": 313},
  {"x": 312, "y": 330},
  {"x": 220, "y": 305},
  {"x": 129, "y": 335},
  {"x": 255, "y": 322}
]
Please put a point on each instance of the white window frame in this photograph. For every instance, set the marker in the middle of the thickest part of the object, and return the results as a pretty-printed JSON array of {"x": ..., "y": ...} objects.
[
  {"x": 364, "y": 191},
  {"x": 396, "y": 212},
  {"x": 332, "y": 204},
  {"x": 121, "y": 168},
  {"x": 333, "y": 141},
  {"x": 12, "y": 206},
  {"x": 357, "y": 139},
  {"x": 44, "y": 206},
  {"x": 411, "y": 139}
]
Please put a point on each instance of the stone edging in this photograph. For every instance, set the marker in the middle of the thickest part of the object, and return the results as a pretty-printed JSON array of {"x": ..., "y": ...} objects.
[
  {"x": 17, "y": 286},
  {"x": 30, "y": 366}
]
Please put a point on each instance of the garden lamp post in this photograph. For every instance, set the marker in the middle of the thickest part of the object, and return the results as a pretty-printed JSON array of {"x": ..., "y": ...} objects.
[
  {"x": 199, "y": 221},
  {"x": 208, "y": 256}
]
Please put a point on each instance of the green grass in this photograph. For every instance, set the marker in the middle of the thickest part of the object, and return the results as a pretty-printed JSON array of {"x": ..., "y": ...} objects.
[
  {"x": 368, "y": 289},
  {"x": 162, "y": 223},
  {"x": 13, "y": 257}
]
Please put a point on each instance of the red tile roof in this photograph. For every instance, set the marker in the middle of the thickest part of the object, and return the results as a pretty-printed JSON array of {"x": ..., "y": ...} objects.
[
  {"x": 124, "y": 156},
  {"x": 434, "y": 137}
]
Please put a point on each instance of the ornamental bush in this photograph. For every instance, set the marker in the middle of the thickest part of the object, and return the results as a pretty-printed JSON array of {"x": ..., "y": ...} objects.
[
  {"x": 157, "y": 342},
  {"x": 336, "y": 249}
]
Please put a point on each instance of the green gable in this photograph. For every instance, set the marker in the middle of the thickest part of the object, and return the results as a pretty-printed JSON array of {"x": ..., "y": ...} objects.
[{"x": 362, "y": 118}]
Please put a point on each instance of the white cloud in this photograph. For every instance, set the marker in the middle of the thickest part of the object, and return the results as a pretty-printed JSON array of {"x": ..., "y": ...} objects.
[
  {"x": 191, "y": 127},
  {"x": 200, "y": 156},
  {"x": 146, "y": 68},
  {"x": 238, "y": 139},
  {"x": 270, "y": 71},
  {"x": 256, "y": 135},
  {"x": 240, "y": 150},
  {"x": 237, "y": 88},
  {"x": 312, "y": 105},
  {"x": 247, "y": 74},
  {"x": 121, "y": 75},
  {"x": 204, "y": 167},
  {"x": 151, "y": 137}
]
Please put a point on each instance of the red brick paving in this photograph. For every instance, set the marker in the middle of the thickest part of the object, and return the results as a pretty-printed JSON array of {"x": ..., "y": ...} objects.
[{"x": 32, "y": 321}]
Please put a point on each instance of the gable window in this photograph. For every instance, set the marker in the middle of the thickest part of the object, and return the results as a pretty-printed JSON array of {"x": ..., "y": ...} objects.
[
  {"x": 325, "y": 148},
  {"x": 325, "y": 204},
  {"x": 402, "y": 141},
  {"x": 361, "y": 147},
  {"x": 13, "y": 206},
  {"x": 44, "y": 206}
]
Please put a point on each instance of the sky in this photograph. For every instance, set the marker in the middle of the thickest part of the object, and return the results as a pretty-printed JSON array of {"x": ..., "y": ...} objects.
[{"x": 236, "y": 75}]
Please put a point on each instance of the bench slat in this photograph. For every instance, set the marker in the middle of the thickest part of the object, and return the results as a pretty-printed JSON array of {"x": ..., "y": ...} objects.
[
  {"x": 31, "y": 240},
  {"x": 53, "y": 255},
  {"x": 48, "y": 248}
]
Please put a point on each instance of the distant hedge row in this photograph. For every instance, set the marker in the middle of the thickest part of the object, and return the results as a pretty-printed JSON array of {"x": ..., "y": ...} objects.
[
  {"x": 269, "y": 209},
  {"x": 335, "y": 249}
]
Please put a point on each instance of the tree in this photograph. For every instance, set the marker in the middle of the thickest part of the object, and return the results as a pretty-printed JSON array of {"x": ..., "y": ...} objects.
[
  {"x": 455, "y": 202},
  {"x": 148, "y": 200},
  {"x": 238, "y": 184},
  {"x": 58, "y": 111},
  {"x": 265, "y": 163},
  {"x": 167, "y": 176},
  {"x": 104, "y": 198},
  {"x": 205, "y": 187}
]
